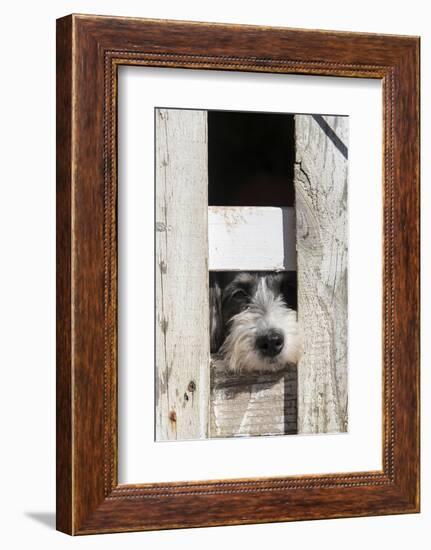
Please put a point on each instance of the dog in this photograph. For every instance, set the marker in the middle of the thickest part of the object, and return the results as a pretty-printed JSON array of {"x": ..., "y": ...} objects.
[{"x": 253, "y": 321}]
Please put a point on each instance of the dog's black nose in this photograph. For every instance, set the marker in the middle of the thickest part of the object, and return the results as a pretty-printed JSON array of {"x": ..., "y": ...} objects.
[{"x": 270, "y": 343}]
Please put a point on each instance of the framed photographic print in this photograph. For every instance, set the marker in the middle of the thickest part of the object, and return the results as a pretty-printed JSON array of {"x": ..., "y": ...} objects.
[{"x": 237, "y": 274}]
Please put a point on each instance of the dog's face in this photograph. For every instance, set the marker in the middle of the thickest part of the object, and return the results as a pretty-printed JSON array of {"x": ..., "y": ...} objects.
[{"x": 253, "y": 320}]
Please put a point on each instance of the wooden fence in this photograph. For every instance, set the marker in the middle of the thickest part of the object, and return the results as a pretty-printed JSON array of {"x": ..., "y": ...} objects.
[{"x": 193, "y": 399}]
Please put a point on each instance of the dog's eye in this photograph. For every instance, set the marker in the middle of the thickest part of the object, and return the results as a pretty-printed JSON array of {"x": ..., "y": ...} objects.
[{"x": 240, "y": 294}]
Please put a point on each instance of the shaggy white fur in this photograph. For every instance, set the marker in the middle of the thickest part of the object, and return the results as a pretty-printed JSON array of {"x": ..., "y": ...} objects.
[{"x": 264, "y": 312}]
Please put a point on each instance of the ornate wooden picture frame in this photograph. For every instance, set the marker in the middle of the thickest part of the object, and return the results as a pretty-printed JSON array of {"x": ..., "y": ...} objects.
[{"x": 89, "y": 51}]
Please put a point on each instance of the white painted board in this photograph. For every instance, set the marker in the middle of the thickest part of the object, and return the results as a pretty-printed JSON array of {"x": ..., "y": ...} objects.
[
  {"x": 321, "y": 213},
  {"x": 182, "y": 322},
  {"x": 251, "y": 238},
  {"x": 253, "y": 404}
]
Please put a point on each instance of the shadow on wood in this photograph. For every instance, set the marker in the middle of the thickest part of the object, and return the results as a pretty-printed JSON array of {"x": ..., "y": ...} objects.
[{"x": 249, "y": 404}]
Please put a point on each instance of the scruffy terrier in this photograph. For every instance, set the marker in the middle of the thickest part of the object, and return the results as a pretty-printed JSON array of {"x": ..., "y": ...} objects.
[{"x": 253, "y": 321}]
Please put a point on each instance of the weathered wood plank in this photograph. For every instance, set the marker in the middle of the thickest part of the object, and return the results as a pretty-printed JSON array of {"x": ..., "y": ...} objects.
[
  {"x": 321, "y": 217},
  {"x": 251, "y": 238},
  {"x": 182, "y": 327},
  {"x": 252, "y": 404}
]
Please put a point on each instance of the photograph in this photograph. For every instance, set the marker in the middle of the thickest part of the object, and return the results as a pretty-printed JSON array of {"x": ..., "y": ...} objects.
[
  {"x": 274, "y": 191},
  {"x": 237, "y": 271},
  {"x": 215, "y": 275}
]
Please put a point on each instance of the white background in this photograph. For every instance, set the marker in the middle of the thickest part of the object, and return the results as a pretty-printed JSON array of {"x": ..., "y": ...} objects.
[
  {"x": 141, "y": 458},
  {"x": 27, "y": 277}
]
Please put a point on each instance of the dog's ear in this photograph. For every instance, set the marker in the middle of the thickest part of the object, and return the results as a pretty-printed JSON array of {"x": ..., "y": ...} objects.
[
  {"x": 289, "y": 289},
  {"x": 216, "y": 319}
]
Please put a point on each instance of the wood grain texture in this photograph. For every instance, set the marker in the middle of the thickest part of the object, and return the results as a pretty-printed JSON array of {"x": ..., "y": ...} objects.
[
  {"x": 321, "y": 217},
  {"x": 89, "y": 498},
  {"x": 64, "y": 448},
  {"x": 247, "y": 238},
  {"x": 240, "y": 239},
  {"x": 254, "y": 405},
  {"x": 182, "y": 328}
]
